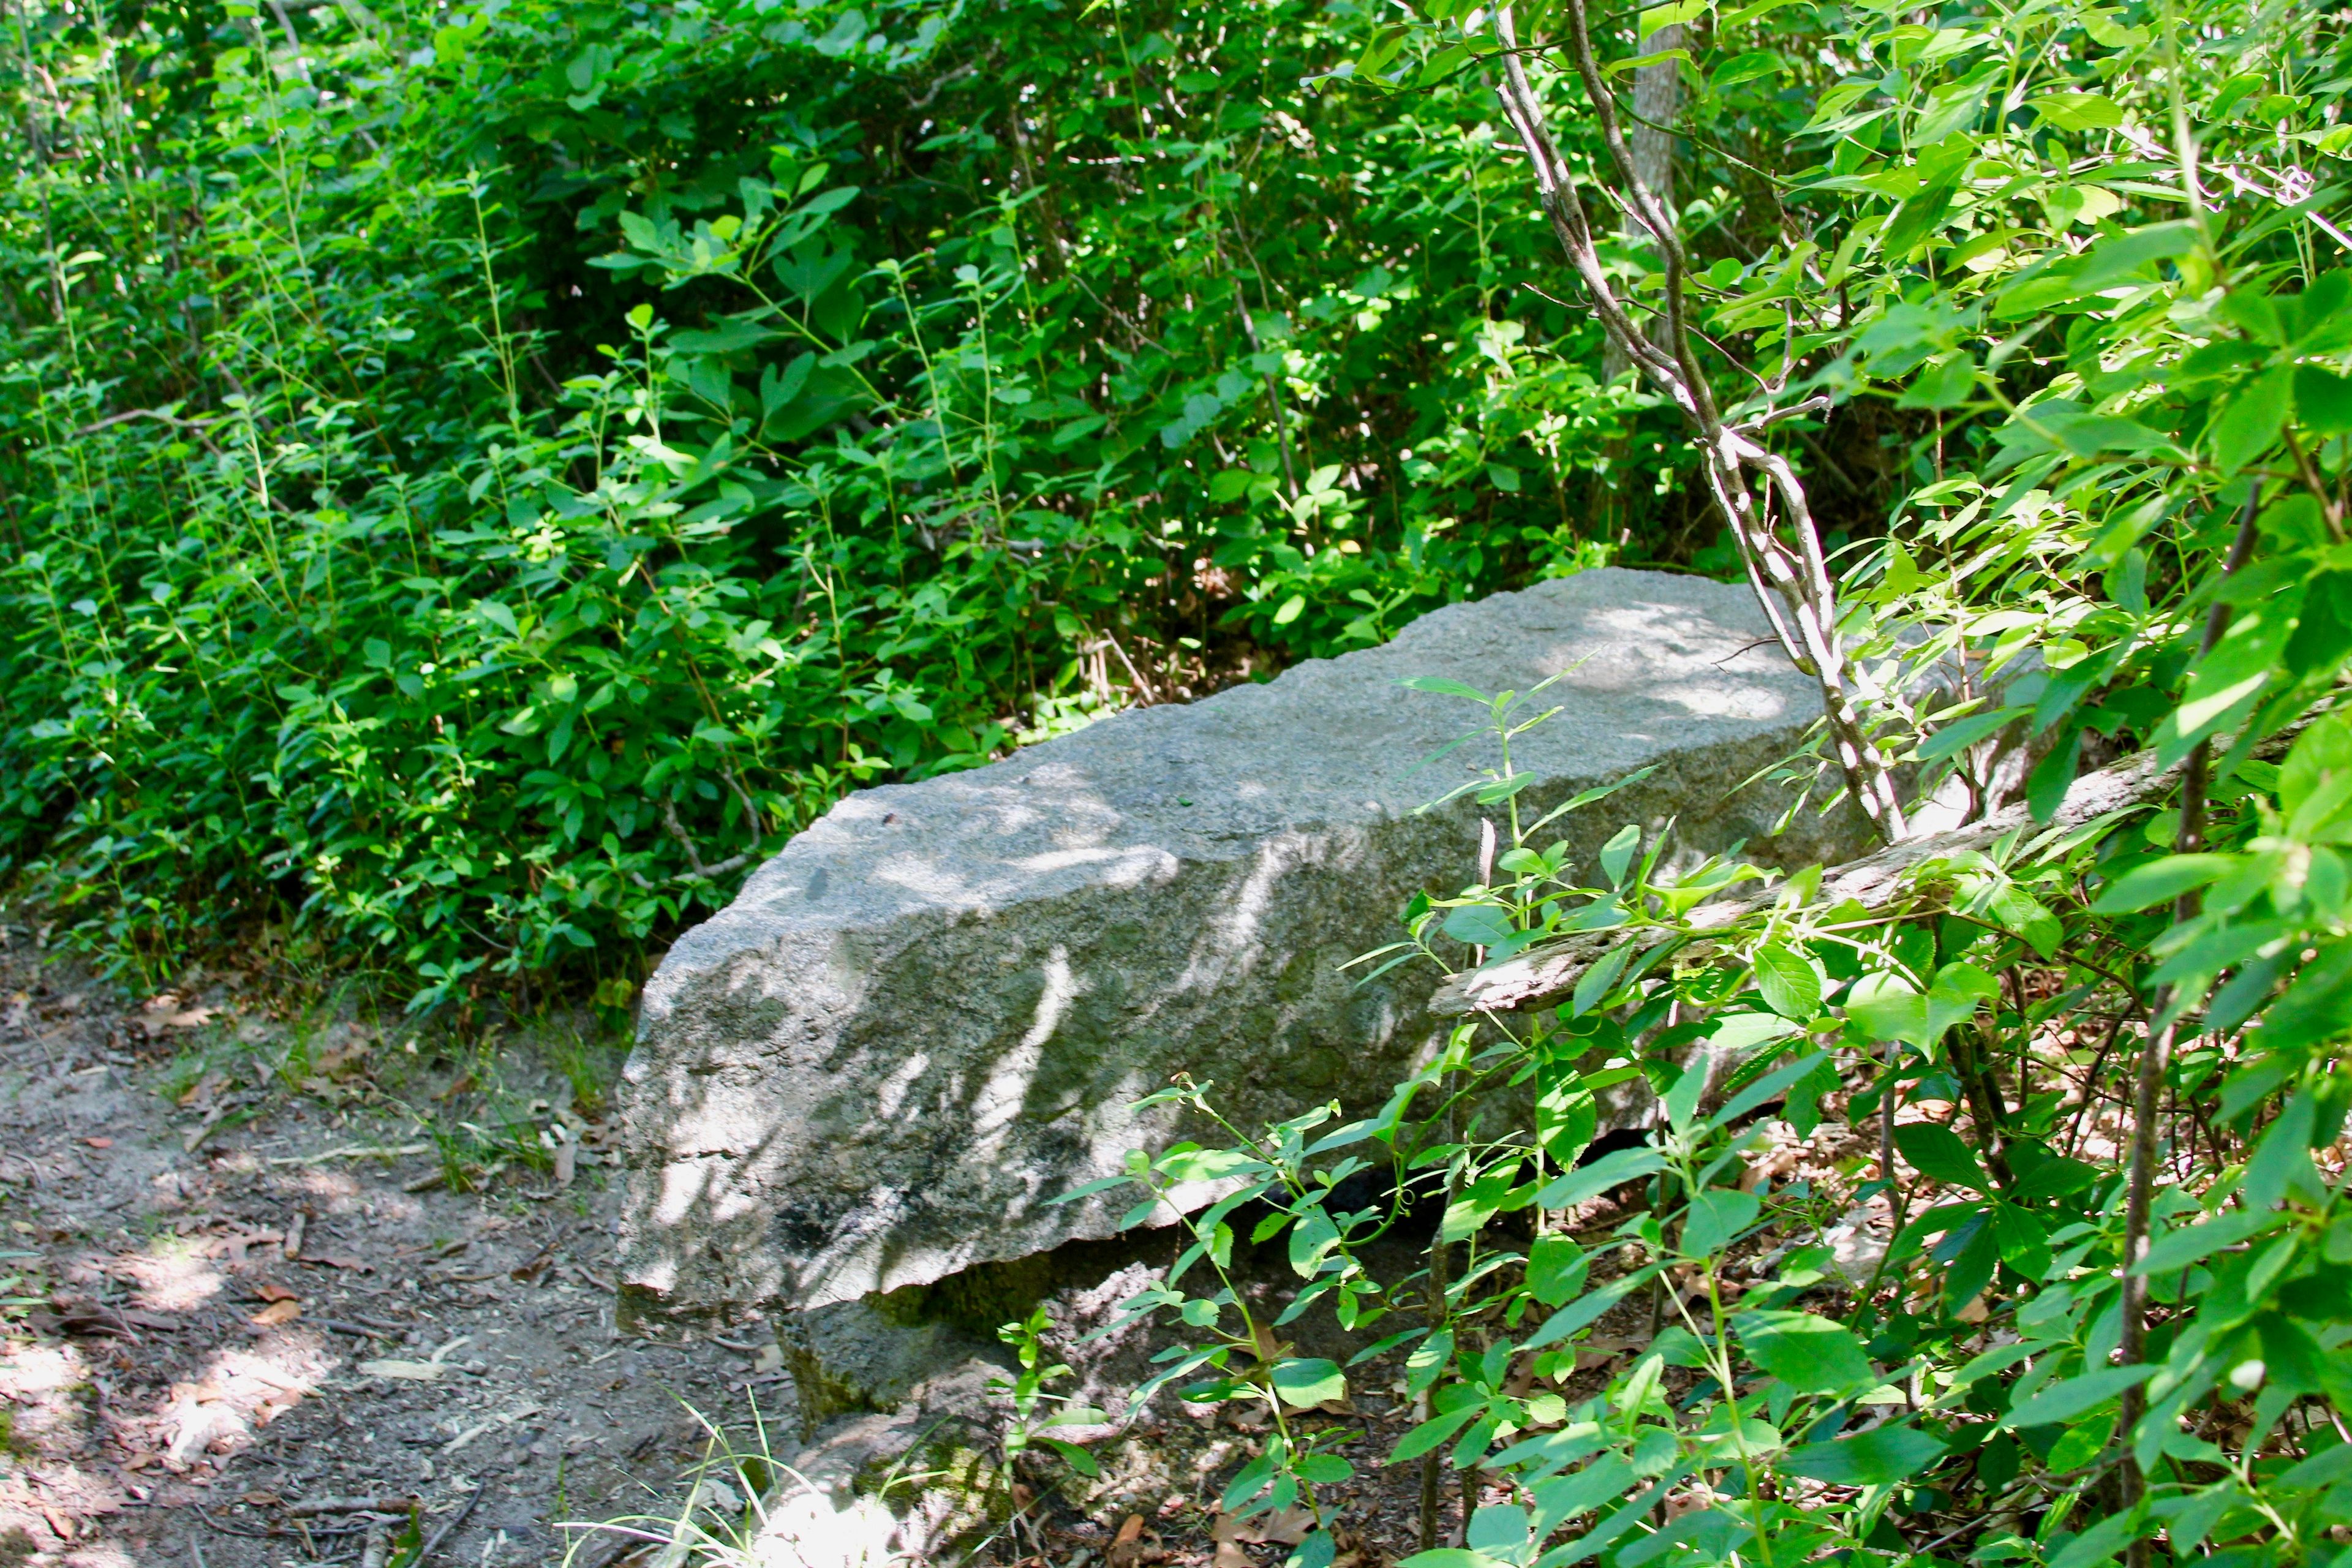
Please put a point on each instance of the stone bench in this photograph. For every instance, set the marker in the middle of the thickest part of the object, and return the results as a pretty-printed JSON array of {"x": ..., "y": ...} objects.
[{"x": 931, "y": 1011}]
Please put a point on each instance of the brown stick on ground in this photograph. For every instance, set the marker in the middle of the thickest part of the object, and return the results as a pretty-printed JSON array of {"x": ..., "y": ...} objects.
[{"x": 311, "y": 1507}]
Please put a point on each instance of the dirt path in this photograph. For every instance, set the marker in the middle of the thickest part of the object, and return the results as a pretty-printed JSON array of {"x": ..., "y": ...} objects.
[{"x": 228, "y": 1316}]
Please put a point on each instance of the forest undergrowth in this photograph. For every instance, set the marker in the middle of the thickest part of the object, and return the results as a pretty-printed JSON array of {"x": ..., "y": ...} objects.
[{"x": 475, "y": 482}]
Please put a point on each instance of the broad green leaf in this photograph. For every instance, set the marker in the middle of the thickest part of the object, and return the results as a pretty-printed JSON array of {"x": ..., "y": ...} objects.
[
  {"x": 1589, "y": 1308},
  {"x": 1714, "y": 1218},
  {"x": 1936, "y": 1153},
  {"x": 1478, "y": 925},
  {"x": 1434, "y": 1432},
  {"x": 1310, "y": 1381},
  {"x": 1588, "y": 1181},
  {"x": 1617, "y": 855},
  {"x": 2192, "y": 1244},
  {"x": 2077, "y": 1396},
  {"x": 1556, "y": 1269},
  {"x": 2247, "y": 424},
  {"x": 2024, "y": 1244},
  {"x": 1879, "y": 1457},
  {"x": 1790, "y": 985},
  {"x": 1888, "y": 1007},
  {"x": 2323, "y": 401},
  {"x": 2316, "y": 781},
  {"x": 1808, "y": 1352},
  {"x": 2161, "y": 881},
  {"x": 2078, "y": 110}
]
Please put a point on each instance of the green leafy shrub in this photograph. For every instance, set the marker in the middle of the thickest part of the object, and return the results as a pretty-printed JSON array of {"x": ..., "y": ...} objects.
[
  {"x": 2097, "y": 1020},
  {"x": 475, "y": 484}
]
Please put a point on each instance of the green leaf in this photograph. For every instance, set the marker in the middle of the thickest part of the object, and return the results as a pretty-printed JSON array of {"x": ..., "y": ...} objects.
[
  {"x": 1434, "y": 1431},
  {"x": 2249, "y": 422},
  {"x": 1790, "y": 985},
  {"x": 1310, "y": 1381},
  {"x": 1936, "y": 1152},
  {"x": 1555, "y": 1267},
  {"x": 728, "y": 337},
  {"x": 1880, "y": 1456},
  {"x": 1920, "y": 215},
  {"x": 1715, "y": 1219},
  {"x": 1961, "y": 734},
  {"x": 2024, "y": 1244},
  {"x": 1671, "y": 14},
  {"x": 2077, "y": 1396},
  {"x": 1888, "y": 1007},
  {"x": 1948, "y": 384},
  {"x": 1478, "y": 925},
  {"x": 1590, "y": 1306},
  {"x": 2078, "y": 110},
  {"x": 1749, "y": 66},
  {"x": 2323, "y": 401},
  {"x": 1588, "y": 1182},
  {"x": 2179, "y": 1248},
  {"x": 1617, "y": 855},
  {"x": 2316, "y": 781},
  {"x": 2160, "y": 882},
  {"x": 1810, "y": 1354},
  {"x": 1597, "y": 982},
  {"x": 1077, "y": 1458},
  {"x": 1446, "y": 688}
]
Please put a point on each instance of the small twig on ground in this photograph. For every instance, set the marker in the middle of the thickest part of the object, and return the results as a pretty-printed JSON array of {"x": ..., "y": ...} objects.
[
  {"x": 353, "y": 1151},
  {"x": 432, "y": 1543},
  {"x": 314, "y": 1507},
  {"x": 231, "y": 1529},
  {"x": 357, "y": 1331}
]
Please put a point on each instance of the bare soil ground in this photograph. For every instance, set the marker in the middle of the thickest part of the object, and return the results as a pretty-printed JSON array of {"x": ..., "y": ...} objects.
[
  {"x": 231, "y": 1313},
  {"x": 240, "y": 1302}
]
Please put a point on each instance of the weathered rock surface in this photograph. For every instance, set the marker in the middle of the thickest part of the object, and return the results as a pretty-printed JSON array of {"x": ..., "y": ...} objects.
[
  {"x": 930, "y": 1013},
  {"x": 917, "y": 1485}
]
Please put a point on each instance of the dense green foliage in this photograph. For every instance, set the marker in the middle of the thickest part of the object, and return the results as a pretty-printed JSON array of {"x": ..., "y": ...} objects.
[
  {"x": 2091, "y": 1298},
  {"x": 468, "y": 474},
  {"x": 475, "y": 480}
]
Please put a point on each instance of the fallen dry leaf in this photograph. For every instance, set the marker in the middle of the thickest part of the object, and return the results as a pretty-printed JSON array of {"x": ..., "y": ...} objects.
[
  {"x": 1223, "y": 1530},
  {"x": 1289, "y": 1528},
  {"x": 1127, "y": 1549},
  {"x": 277, "y": 1312},
  {"x": 272, "y": 1292}
]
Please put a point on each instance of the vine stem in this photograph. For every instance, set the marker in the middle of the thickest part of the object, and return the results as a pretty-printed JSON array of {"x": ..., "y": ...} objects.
[
  {"x": 1792, "y": 585},
  {"x": 2155, "y": 1057}
]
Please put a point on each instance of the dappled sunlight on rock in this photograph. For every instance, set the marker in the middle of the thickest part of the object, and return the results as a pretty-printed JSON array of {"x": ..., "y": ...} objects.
[{"x": 937, "y": 1005}]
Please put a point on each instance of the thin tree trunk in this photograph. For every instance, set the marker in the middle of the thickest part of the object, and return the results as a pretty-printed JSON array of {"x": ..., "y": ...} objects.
[
  {"x": 2154, "y": 1060},
  {"x": 1657, "y": 102}
]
